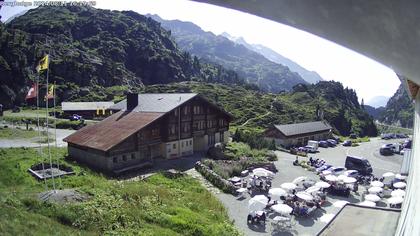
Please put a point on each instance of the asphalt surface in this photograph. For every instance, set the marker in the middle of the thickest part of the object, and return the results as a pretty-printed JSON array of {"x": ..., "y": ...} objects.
[
  {"x": 238, "y": 208},
  {"x": 61, "y": 134}
]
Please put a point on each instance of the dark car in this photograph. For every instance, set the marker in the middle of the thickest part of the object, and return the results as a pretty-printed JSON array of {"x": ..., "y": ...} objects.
[
  {"x": 347, "y": 143},
  {"x": 386, "y": 150},
  {"x": 331, "y": 142},
  {"x": 353, "y": 136},
  {"x": 323, "y": 144},
  {"x": 360, "y": 164},
  {"x": 407, "y": 144}
]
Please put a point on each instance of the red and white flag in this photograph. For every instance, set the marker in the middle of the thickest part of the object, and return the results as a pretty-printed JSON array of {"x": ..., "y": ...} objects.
[{"x": 33, "y": 92}]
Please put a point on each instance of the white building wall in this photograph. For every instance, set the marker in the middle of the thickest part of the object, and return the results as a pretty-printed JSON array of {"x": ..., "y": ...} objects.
[
  {"x": 179, "y": 148},
  {"x": 410, "y": 214}
]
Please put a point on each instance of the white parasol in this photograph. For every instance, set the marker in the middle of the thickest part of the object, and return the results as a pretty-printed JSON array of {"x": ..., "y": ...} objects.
[
  {"x": 367, "y": 203},
  {"x": 398, "y": 193},
  {"x": 260, "y": 173},
  {"x": 341, "y": 177},
  {"x": 323, "y": 184},
  {"x": 257, "y": 203},
  {"x": 288, "y": 186},
  {"x": 299, "y": 179},
  {"x": 350, "y": 172},
  {"x": 388, "y": 174},
  {"x": 277, "y": 192},
  {"x": 401, "y": 177},
  {"x": 372, "y": 198},
  {"x": 235, "y": 179},
  {"x": 375, "y": 190},
  {"x": 331, "y": 178},
  {"x": 340, "y": 203},
  {"x": 376, "y": 184},
  {"x": 304, "y": 196},
  {"x": 313, "y": 189},
  {"x": 395, "y": 200},
  {"x": 282, "y": 209},
  {"x": 263, "y": 170},
  {"x": 399, "y": 185},
  {"x": 349, "y": 180}
]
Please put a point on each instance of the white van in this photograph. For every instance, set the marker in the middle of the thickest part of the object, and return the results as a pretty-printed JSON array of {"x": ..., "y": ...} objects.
[{"x": 312, "y": 146}]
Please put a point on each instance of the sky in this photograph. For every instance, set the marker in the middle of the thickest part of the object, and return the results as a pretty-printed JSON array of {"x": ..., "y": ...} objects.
[{"x": 333, "y": 62}]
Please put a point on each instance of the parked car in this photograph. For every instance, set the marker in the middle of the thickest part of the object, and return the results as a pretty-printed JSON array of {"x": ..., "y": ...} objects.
[
  {"x": 360, "y": 164},
  {"x": 322, "y": 168},
  {"x": 347, "y": 143},
  {"x": 331, "y": 142},
  {"x": 311, "y": 149},
  {"x": 401, "y": 136},
  {"x": 351, "y": 173},
  {"x": 407, "y": 144},
  {"x": 335, "y": 170},
  {"x": 75, "y": 117},
  {"x": 353, "y": 136},
  {"x": 323, "y": 144},
  {"x": 386, "y": 150}
]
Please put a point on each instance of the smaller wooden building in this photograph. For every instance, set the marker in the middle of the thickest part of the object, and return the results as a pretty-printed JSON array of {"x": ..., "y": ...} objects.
[
  {"x": 88, "y": 110},
  {"x": 298, "y": 134}
]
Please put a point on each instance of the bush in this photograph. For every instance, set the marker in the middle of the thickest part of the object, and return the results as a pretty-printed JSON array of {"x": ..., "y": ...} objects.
[
  {"x": 67, "y": 124},
  {"x": 271, "y": 156},
  {"x": 214, "y": 178}
]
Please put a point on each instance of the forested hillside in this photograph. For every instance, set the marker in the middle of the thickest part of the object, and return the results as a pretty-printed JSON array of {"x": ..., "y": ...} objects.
[
  {"x": 257, "y": 109},
  {"x": 399, "y": 110},
  {"x": 250, "y": 65},
  {"x": 92, "y": 50}
]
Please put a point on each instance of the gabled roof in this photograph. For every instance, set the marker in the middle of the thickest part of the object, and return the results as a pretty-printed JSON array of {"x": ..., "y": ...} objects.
[
  {"x": 156, "y": 102},
  {"x": 112, "y": 130},
  {"x": 85, "y": 106},
  {"x": 303, "y": 128}
]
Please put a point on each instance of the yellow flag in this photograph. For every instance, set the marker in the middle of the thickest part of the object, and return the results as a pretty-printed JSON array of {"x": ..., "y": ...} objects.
[
  {"x": 50, "y": 94},
  {"x": 43, "y": 64}
]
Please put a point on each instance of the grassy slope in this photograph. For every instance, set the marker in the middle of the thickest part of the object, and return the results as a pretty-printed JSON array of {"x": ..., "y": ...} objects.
[
  {"x": 157, "y": 206},
  {"x": 8, "y": 133}
]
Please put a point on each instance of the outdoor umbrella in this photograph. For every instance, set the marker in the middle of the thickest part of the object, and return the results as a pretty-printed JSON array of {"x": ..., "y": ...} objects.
[
  {"x": 376, "y": 184},
  {"x": 401, "y": 177},
  {"x": 308, "y": 183},
  {"x": 340, "y": 203},
  {"x": 372, "y": 198},
  {"x": 349, "y": 180},
  {"x": 288, "y": 186},
  {"x": 367, "y": 203},
  {"x": 262, "y": 170},
  {"x": 350, "y": 172},
  {"x": 398, "y": 193},
  {"x": 235, "y": 179},
  {"x": 257, "y": 203},
  {"x": 277, "y": 192},
  {"x": 388, "y": 174},
  {"x": 399, "y": 185},
  {"x": 375, "y": 190},
  {"x": 312, "y": 189},
  {"x": 299, "y": 179},
  {"x": 323, "y": 184},
  {"x": 341, "y": 177},
  {"x": 331, "y": 178},
  {"x": 395, "y": 200},
  {"x": 261, "y": 173},
  {"x": 304, "y": 196},
  {"x": 282, "y": 209}
]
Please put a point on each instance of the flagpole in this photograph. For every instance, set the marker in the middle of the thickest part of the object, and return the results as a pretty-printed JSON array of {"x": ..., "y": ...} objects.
[
  {"x": 55, "y": 133},
  {"x": 48, "y": 134},
  {"x": 39, "y": 130}
]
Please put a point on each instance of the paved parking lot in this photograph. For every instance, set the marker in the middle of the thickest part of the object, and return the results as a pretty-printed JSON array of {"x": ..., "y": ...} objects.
[{"x": 238, "y": 209}]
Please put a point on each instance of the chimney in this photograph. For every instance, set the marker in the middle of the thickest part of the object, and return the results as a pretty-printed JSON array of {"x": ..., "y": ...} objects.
[{"x": 132, "y": 101}]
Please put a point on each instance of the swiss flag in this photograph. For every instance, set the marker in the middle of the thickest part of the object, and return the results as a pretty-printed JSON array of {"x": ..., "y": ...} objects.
[{"x": 33, "y": 92}]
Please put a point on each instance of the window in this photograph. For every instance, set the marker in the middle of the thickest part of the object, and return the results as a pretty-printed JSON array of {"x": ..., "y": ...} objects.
[
  {"x": 172, "y": 129},
  {"x": 211, "y": 139},
  {"x": 195, "y": 125},
  {"x": 176, "y": 112},
  {"x": 222, "y": 138},
  {"x": 174, "y": 146},
  {"x": 115, "y": 160},
  {"x": 186, "y": 127},
  {"x": 133, "y": 156},
  {"x": 141, "y": 135},
  {"x": 155, "y": 132},
  {"x": 222, "y": 122},
  {"x": 186, "y": 110},
  {"x": 197, "y": 110},
  {"x": 124, "y": 158},
  {"x": 190, "y": 142}
]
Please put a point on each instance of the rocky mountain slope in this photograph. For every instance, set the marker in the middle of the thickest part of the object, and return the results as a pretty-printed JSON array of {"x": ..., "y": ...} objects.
[
  {"x": 399, "y": 110},
  {"x": 251, "y": 66},
  {"x": 92, "y": 51},
  {"x": 309, "y": 76}
]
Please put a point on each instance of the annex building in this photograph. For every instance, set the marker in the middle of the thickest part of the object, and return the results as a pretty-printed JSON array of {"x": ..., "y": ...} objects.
[
  {"x": 145, "y": 127},
  {"x": 88, "y": 110},
  {"x": 298, "y": 134}
]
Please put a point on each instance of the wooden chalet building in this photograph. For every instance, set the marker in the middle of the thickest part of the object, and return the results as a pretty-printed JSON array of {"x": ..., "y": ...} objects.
[
  {"x": 149, "y": 126},
  {"x": 298, "y": 134}
]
